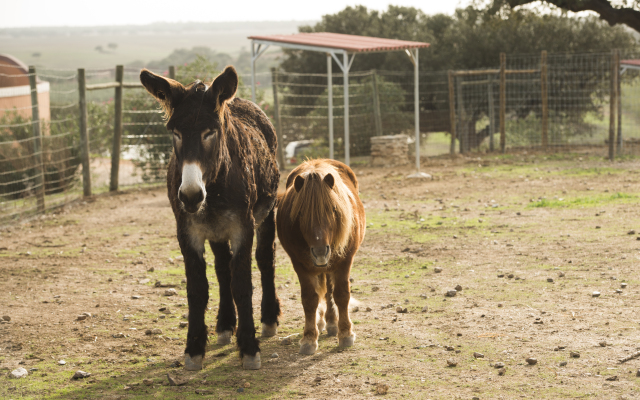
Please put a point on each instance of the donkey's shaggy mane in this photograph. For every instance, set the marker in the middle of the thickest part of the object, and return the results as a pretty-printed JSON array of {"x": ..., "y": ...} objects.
[{"x": 317, "y": 202}]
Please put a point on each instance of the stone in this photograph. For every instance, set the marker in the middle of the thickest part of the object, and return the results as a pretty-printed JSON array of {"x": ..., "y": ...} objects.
[
  {"x": 563, "y": 364},
  {"x": 136, "y": 297},
  {"x": 286, "y": 341},
  {"x": 240, "y": 390},
  {"x": 498, "y": 365},
  {"x": 458, "y": 288},
  {"x": 118, "y": 335},
  {"x": 612, "y": 378},
  {"x": 247, "y": 385},
  {"x": 631, "y": 232},
  {"x": 155, "y": 331},
  {"x": 80, "y": 375},
  {"x": 175, "y": 382},
  {"x": 437, "y": 270},
  {"x": 19, "y": 373},
  {"x": 561, "y": 274},
  {"x": 274, "y": 355},
  {"x": 550, "y": 280},
  {"x": 369, "y": 309},
  {"x": 638, "y": 373},
  {"x": 170, "y": 292},
  {"x": 478, "y": 355},
  {"x": 401, "y": 310},
  {"x": 62, "y": 362},
  {"x": 502, "y": 371},
  {"x": 623, "y": 285},
  {"x": 595, "y": 294},
  {"x": 531, "y": 361},
  {"x": 574, "y": 354},
  {"x": 451, "y": 363},
  {"x": 382, "y": 388},
  {"x": 81, "y": 317},
  {"x": 425, "y": 309},
  {"x": 183, "y": 324},
  {"x": 603, "y": 344},
  {"x": 6, "y": 318},
  {"x": 451, "y": 293},
  {"x": 147, "y": 382}
]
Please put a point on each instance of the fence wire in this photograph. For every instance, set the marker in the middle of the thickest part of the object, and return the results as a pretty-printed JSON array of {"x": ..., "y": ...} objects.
[{"x": 561, "y": 104}]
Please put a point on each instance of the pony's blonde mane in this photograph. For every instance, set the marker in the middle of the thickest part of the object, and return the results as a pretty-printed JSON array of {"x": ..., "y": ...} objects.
[{"x": 317, "y": 202}]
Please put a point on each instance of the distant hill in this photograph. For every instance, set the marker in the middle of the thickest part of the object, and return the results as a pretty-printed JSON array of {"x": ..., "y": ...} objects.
[{"x": 106, "y": 46}]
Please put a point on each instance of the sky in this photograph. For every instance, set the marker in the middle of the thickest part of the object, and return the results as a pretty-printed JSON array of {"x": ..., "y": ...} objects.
[{"x": 33, "y": 13}]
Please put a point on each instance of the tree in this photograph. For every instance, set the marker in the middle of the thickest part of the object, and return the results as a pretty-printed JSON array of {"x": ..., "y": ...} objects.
[{"x": 614, "y": 14}]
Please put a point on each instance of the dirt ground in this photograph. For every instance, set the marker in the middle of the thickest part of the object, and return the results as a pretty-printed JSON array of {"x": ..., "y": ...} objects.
[{"x": 528, "y": 238}]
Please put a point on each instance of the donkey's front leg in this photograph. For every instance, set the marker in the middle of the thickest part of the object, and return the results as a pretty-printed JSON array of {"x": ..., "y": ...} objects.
[
  {"x": 197, "y": 296},
  {"x": 266, "y": 259},
  {"x": 242, "y": 291},
  {"x": 226, "y": 324}
]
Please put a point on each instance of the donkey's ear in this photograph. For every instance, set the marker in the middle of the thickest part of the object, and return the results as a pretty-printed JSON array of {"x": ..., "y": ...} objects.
[
  {"x": 166, "y": 91},
  {"x": 329, "y": 180},
  {"x": 225, "y": 86},
  {"x": 299, "y": 182}
]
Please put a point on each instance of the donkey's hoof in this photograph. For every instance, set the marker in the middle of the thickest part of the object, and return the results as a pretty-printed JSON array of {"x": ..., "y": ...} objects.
[
  {"x": 224, "y": 337},
  {"x": 332, "y": 330},
  {"x": 193, "y": 363},
  {"x": 347, "y": 341},
  {"x": 269, "y": 330},
  {"x": 251, "y": 362},
  {"x": 308, "y": 348}
]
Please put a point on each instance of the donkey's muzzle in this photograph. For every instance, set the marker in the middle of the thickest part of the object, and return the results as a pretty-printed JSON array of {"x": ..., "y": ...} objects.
[
  {"x": 320, "y": 255},
  {"x": 191, "y": 200}
]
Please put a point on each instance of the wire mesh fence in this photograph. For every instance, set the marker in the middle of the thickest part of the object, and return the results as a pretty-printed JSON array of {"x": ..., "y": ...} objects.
[{"x": 559, "y": 102}]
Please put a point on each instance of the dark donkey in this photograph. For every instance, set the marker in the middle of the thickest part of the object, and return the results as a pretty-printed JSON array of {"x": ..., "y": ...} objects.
[
  {"x": 321, "y": 224},
  {"x": 222, "y": 182}
]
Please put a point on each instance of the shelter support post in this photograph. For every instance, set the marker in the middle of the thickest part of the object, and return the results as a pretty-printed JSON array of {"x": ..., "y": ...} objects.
[
  {"x": 545, "y": 100},
  {"x": 619, "y": 105},
  {"x": 330, "y": 104},
  {"x": 256, "y": 52},
  {"x": 276, "y": 117},
  {"x": 377, "y": 117},
  {"x": 416, "y": 104},
  {"x": 462, "y": 137},
  {"x": 37, "y": 139},
  {"x": 347, "y": 144},
  {"x": 492, "y": 113}
]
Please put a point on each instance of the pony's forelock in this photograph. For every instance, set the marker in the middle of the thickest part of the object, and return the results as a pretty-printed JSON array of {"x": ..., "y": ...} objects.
[{"x": 317, "y": 202}]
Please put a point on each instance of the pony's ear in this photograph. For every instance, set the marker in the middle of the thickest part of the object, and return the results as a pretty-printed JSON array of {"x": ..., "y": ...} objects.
[
  {"x": 298, "y": 183},
  {"x": 329, "y": 180},
  {"x": 224, "y": 87},
  {"x": 166, "y": 91}
]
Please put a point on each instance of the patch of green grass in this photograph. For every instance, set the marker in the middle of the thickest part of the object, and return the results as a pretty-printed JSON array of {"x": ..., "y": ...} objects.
[{"x": 589, "y": 201}]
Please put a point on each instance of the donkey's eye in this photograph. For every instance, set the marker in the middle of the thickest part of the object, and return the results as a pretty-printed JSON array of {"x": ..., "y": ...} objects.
[
  {"x": 176, "y": 134},
  {"x": 208, "y": 134}
]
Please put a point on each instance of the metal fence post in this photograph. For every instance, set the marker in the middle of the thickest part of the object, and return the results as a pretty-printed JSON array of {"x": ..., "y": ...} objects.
[
  {"x": 84, "y": 134},
  {"x": 619, "y": 106},
  {"x": 615, "y": 60},
  {"x": 545, "y": 99},
  {"x": 37, "y": 139},
  {"x": 503, "y": 101},
  {"x": 276, "y": 116},
  {"x": 452, "y": 113},
  {"x": 377, "y": 118},
  {"x": 117, "y": 130},
  {"x": 462, "y": 137},
  {"x": 492, "y": 112}
]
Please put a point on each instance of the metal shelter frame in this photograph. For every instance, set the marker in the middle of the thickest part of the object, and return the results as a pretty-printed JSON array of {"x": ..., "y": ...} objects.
[{"x": 343, "y": 49}]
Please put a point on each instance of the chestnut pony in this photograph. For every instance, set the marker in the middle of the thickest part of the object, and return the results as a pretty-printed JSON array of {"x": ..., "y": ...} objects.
[{"x": 320, "y": 224}]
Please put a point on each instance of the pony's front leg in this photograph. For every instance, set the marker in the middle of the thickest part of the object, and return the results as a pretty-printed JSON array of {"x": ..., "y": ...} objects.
[
  {"x": 310, "y": 301},
  {"x": 197, "y": 297},
  {"x": 342, "y": 295},
  {"x": 242, "y": 291}
]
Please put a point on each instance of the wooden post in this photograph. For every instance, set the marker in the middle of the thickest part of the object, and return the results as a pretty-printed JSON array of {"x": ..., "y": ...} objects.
[
  {"x": 619, "y": 105},
  {"x": 503, "y": 101},
  {"x": 492, "y": 112},
  {"x": 330, "y": 104},
  {"x": 276, "y": 116},
  {"x": 117, "y": 131},
  {"x": 84, "y": 134},
  {"x": 172, "y": 72},
  {"x": 37, "y": 139},
  {"x": 545, "y": 99},
  {"x": 462, "y": 137},
  {"x": 615, "y": 60},
  {"x": 452, "y": 113},
  {"x": 376, "y": 103}
]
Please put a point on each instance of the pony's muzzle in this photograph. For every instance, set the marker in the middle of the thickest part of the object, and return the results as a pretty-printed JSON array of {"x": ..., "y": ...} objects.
[{"x": 320, "y": 255}]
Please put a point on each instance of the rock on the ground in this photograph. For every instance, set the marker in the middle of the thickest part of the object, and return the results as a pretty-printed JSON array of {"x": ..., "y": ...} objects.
[
  {"x": 81, "y": 317},
  {"x": 437, "y": 270},
  {"x": 382, "y": 388},
  {"x": 183, "y": 324},
  {"x": 531, "y": 361},
  {"x": 170, "y": 292},
  {"x": 574, "y": 354},
  {"x": 274, "y": 355},
  {"x": 6, "y": 318},
  {"x": 147, "y": 382},
  {"x": 175, "y": 382},
  {"x": 498, "y": 365},
  {"x": 154, "y": 331},
  {"x": 451, "y": 293},
  {"x": 478, "y": 355},
  {"x": 425, "y": 309},
  {"x": 458, "y": 288},
  {"x": 19, "y": 373},
  {"x": 80, "y": 375},
  {"x": 595, "y": 294},
  {"x": 451, "y": 363},
  {"x": 118, "y": 335},
  {"x": 62, "y": 362}
]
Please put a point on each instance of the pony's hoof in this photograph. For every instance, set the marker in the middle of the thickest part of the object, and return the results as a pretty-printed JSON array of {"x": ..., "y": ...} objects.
[
  {"x": 347, "y": 341},
  {"x": 193, "y": 363},
  {"x": 269, "y": 330},
  {"x": 332, "y": 330},
  {"x": 224, "y": 337},
  {"x": 251, "y": 362},
  {"x": 308, "y": 348}
]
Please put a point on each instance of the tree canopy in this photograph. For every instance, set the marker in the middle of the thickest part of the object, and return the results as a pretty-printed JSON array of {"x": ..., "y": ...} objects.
[{"x": 471, "y": 38}]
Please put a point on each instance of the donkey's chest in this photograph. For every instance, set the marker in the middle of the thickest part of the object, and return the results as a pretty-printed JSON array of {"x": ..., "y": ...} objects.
[{"x": 219, "y": 227}]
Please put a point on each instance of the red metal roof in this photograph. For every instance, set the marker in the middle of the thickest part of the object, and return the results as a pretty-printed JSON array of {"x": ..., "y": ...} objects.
[
  {"x": 350, "y": 43},
  {"x": 631, "y": 62}
]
